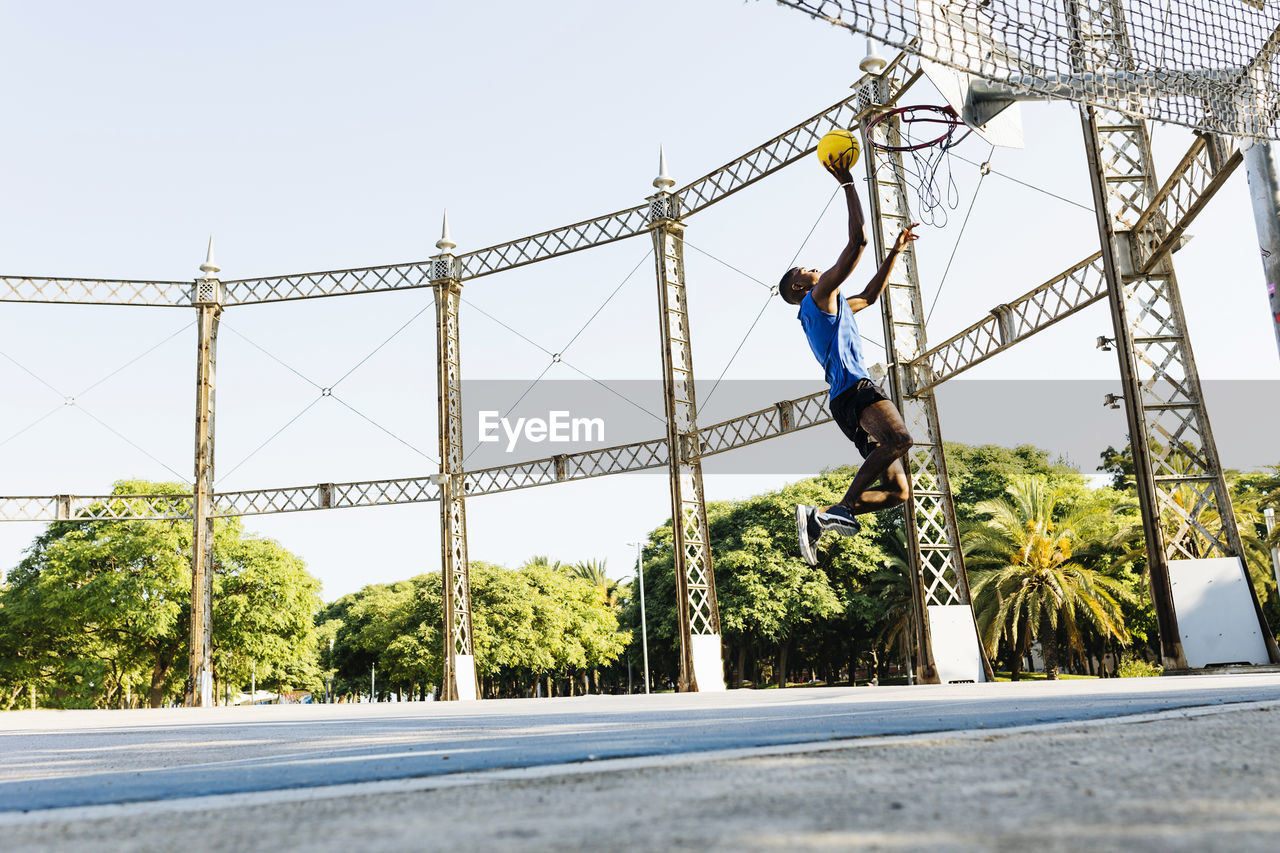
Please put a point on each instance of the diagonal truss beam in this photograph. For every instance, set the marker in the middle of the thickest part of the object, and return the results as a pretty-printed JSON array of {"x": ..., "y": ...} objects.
[
  {"x": 96, "y": 508},
  {"x": 801, "y": 140},
  {"x": 251, "y": 291},
  {"x": 1010, "y": 323},
  {"x": 1197, "y": 178},
  {"x": 95, "y": 291},
  {"x": 326, "y": 496},
  {"x": 786, "y": 416}
]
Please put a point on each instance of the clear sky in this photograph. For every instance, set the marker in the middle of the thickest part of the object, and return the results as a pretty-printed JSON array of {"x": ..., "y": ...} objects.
[{"x": 320, "y": 135}]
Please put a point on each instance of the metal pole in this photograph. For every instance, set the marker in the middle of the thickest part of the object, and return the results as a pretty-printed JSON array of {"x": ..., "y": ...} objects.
[
  {"x": 328, "y": 693},
  {"x": 1264, "y": 194},
  {"x": 206, "y": 296},
  {"x": 373, "y": 683},
  {"x": 697, "y": 615},
  {"x": 253, "y": 683},
  {"x": 459, "y": 671},
  {"x": 644, "y": 625},
  {"x": 1270, "y": 515}
]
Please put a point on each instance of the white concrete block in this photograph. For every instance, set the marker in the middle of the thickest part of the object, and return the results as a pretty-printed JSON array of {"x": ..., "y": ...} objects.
[
  {"x": 1216, "y": 620},
  {"x": 708, "y": 667},
  {"x": 955, "y": 643},
  {"x": 464, "y": 668}
]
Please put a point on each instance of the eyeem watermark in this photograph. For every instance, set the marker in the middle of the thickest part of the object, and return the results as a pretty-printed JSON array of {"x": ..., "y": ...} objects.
[{"x": 558, "y": 426}]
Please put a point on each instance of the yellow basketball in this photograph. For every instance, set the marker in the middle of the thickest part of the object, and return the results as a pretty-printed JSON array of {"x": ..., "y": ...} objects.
[{"x": 838, "y": 148}]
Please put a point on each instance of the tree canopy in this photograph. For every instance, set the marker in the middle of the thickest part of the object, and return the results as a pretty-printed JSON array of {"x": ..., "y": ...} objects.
[{"x": 98, "y": 612}]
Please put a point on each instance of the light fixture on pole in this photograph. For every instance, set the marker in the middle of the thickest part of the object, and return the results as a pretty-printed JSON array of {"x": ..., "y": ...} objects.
[{"x": 644, "y": 628}]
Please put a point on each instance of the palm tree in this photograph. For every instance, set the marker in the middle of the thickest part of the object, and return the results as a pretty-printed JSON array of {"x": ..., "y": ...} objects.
[
  {"x": 1028, "y": 581},
  {"x": 543, "y": 562},
  {"x": 593, "y": 572}
]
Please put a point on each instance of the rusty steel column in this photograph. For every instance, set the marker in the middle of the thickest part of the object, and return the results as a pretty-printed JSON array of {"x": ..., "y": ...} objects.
[
  {"x": 459, "y": 681},
  {"x": 946, "y": 639},
  {"x": 1182, "y": 491},
  {"x": 701, "y": 666},
  {"x": 206, "y": 296}
]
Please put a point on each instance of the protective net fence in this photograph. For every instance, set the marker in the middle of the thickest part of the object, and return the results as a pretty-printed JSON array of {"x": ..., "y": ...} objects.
[{"x": 1210, "y": 65}]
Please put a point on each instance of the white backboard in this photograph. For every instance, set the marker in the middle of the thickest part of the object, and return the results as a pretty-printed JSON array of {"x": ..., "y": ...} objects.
[{"x": 954, "y": 32}]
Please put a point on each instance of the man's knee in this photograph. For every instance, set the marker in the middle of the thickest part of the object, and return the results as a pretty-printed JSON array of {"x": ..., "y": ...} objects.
[
  {"x": 901, "y": 489},
  {"x": 898, "y": 443}
]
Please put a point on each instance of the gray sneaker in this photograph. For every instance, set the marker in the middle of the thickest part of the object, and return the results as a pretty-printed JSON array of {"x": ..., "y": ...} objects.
[
  {"x": 808, "y": 531},
  {"x": 840, "y": 520}
]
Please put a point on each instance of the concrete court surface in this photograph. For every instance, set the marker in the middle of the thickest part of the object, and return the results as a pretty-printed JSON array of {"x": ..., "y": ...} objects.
[{"x": 1174, "y": 763}]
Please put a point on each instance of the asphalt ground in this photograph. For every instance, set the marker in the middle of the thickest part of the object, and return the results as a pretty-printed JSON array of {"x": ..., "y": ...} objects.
[{"x": 62, "y": 759}]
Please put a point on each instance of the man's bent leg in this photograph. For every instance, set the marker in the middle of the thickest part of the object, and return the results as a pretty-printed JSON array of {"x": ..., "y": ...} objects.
[{"x": 883, "y": 423}]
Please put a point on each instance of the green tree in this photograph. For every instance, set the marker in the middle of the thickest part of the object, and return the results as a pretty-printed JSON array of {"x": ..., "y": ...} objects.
[
  {"x": 536, "y": 622},
  {"x": 98, "y": 611},
  {"x": 775, "y": 610},
  {"x": 985, "y": 472},
  {"x": 1027, "y": 580}
]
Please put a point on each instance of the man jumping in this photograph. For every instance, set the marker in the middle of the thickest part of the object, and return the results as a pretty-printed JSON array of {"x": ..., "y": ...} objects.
[{"x": 865, "y": 414}]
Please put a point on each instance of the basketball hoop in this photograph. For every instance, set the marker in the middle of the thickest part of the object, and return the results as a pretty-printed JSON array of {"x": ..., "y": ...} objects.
[
  {"x": 922, "y": 134},
  {"x": 916, "y": 126}
]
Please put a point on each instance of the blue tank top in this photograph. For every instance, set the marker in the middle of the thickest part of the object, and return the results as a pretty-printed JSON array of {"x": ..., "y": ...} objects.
[{"x": 835, "y": 343}]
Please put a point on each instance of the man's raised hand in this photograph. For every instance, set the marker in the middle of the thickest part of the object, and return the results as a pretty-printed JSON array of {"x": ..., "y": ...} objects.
[
  {"x": 905, "y": 237},
  {"x": 839, "y": 171}
]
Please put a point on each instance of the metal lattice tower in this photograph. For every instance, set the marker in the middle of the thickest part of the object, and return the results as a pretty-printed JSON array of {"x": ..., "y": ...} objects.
[
  {"x": 933, "y": 537},
  {"x": 1178, "y": 474},
  {"x": 459, "y": 653},
  {"x": 697, "y": 613},
  {"x": 207, "y": 297}
]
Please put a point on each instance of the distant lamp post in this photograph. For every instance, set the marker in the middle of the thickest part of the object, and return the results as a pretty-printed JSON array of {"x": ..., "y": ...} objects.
[
  {"x": 373, "y": 683},
  {"x": 1269, "y": 515},
  {"x": 644, "y": 627},
  {"x": 328, "y": 694}
]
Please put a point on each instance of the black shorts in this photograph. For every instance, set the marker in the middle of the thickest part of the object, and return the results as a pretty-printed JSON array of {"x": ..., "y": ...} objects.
[{"x": 847, "y": 411}]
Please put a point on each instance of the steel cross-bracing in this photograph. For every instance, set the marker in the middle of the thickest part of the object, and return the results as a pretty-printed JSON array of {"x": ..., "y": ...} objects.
[
  {"x": 697, "y": 614},
  {"x": 1183, "y": 495},
  {"x": 96, "y": 508},
  {"x": 933, "y": 537},
  {"x": 1061, "y": 296},
  {"x": 1198, "y": 176},
  {"x": 97, "y": 291}
]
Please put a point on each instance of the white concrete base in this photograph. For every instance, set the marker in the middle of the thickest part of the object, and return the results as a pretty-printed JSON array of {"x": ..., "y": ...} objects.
[
  {"x": 955, "y": 643},
  {"x": 464, "y": 669},
  {"x": 1216, "y": 620},
  {"x": 708, "y": 667}
]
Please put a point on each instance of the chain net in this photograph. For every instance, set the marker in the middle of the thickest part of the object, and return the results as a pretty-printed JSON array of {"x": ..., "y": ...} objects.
[{"x": 1210, "y": 65}]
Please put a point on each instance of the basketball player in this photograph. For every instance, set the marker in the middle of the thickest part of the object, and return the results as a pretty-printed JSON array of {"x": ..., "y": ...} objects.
[{"x": 865, "y": 414}]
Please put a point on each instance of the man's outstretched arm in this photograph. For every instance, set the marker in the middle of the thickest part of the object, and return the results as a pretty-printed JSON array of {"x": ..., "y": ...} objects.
[
  {"x": 824, "y": 292},
  {"x": 878, "y": 281}
]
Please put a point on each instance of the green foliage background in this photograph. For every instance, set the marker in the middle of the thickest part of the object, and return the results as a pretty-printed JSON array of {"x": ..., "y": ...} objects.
[{"x": 97, "y": 613}]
